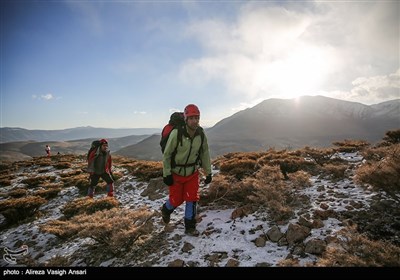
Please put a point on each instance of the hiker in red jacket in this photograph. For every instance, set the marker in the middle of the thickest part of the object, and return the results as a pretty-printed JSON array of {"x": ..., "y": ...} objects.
[
  {"x": 99, "y": 166},
  {"x": 47, "y": 149},
  {"x": 185, "y": 152}
]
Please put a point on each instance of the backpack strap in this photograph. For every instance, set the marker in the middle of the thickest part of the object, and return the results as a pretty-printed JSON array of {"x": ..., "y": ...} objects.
[
  {"x": 179, "y": 138},
  {"x": 198, "y": 160}
]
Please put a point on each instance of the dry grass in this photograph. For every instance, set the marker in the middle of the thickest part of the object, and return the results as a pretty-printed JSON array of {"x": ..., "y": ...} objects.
[
  {"x": 350, "y": 146},
  {"x": 17, "y": 209},
  {"x": 355, "y": 250},
  {"x": 239, "y": 168},
  {"x": 48, "y": 193},
  {"x": 334, "y": 171},
  {"x": 381, "y": 169},
  {"x": 88, "y": 206},
  {"x": 320, "y": 156},
  {"x": 15, "y": 193},
  {"x": 391, "y": 137},
  {"x": 36, "y": 181},
  {"x": 265, "y": 189},
  {"x": 143, "y": 170},
  {"x": 300, "y": 179},
  {"x": 270, "y": 191},
  {"x": 80, "y": 180},
  {"x": 116, "y": 229},
  {"x": 225, "y": 190}
]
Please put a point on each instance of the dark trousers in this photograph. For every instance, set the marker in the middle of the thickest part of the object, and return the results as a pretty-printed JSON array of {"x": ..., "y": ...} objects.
[{"x": 94, "y": 179}]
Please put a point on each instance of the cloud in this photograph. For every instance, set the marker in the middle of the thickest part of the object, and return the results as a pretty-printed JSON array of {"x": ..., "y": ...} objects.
[
  {"x": 371, "y": 90},
  {"x": 284, "y": 52},
  {"x": 46, "y": 97},
  {"x": 140, "y": 112}
]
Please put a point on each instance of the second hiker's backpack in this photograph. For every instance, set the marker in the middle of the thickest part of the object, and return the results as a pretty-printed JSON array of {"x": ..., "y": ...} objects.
[
  {"x": 95, "y": 144},
  {"x": 176, "y": 120}
]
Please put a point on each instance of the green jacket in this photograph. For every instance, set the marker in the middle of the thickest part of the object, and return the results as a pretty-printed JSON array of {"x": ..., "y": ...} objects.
[{"x": 186, "y": 154}]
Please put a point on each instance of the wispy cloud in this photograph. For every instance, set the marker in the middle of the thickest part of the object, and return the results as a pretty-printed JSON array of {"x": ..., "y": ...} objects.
[
  {"x": 45, "y": 97},
  {"x": 140, "y": 112}
]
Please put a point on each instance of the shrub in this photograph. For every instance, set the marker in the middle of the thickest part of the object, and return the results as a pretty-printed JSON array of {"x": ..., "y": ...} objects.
[
  {"x": 115, "y": 229},
  {"x": 350, "y": 146},
  {"x": 15, "y": 193},
  {"x": 300, "y": 179},
  {"x": 144, "y": 170},
  {"x": 88, "y": 206},
  {"x": 17, "y": 209},
  {"x": 238, "y": 167},
  {"x": 225, "y": 190},
  {"x": 48, "y": 193},
  {"x": 353, "y": 249},
  {"x": 382, "y": 170},
  {"x": 334, "y": 171},
  {"x": 391, "y": 137}
]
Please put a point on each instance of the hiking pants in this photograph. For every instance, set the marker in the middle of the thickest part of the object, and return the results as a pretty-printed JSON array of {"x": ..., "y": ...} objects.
[
  {"x": 184, "y": 188},
  {"x": 94, "y": 179}
]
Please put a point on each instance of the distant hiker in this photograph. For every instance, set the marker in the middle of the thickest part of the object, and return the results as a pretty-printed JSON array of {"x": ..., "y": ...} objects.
[
  {"x": 47, "y": 149},
  {"x": 185, "y": 152},
  {"x": 99, "y": 166}
]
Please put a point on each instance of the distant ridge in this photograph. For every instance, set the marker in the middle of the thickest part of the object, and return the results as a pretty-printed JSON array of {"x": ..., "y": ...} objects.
[
  {"x": 314, "y": 121},
  {"x": 13, "y": 134}
]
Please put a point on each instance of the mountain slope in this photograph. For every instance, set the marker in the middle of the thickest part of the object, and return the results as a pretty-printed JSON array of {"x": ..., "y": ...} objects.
[
  {"x": 306, "y": 121},
  {"x": 23, "y": 150},
  {"x": 147, "y": 149}
]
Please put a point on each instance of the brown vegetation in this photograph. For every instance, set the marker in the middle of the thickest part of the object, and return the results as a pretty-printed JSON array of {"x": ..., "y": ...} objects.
[
  {"x": 352, "y": 249},
  {"x": 143, "y": 170},
  {"x": 116, "y": 229},
  {"x": 17, "y": 209},
  {"x": 88, "y": 206},
  {"x": 381, "y": 168}
]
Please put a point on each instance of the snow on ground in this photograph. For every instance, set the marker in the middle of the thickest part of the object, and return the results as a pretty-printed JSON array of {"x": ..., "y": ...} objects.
[{"x": 221, "y": 237}]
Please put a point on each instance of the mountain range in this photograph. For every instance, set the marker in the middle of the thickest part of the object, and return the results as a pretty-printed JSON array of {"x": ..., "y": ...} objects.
[{"x": 315, "y": 121}]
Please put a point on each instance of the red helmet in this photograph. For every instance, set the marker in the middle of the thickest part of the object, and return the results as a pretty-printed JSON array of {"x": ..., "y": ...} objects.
[
  {"x": 191, "y": 110},
  {"x": 103, "y": 141}
]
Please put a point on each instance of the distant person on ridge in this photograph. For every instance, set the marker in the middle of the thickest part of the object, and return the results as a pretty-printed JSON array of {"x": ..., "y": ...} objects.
[
  {"x": 185, "y": 152},
  {"x": 99, "y": 166},
  {"x": 47, "y": 149}
]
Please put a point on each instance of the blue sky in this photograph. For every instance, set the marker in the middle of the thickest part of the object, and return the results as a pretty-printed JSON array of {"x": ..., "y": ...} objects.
[{"x": 129, "y": 64}]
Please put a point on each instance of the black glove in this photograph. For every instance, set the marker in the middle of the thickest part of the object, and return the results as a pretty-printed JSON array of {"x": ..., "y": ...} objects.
[
  {"x": 208, "y": 179},
  {"x": 168, "y": 180}
]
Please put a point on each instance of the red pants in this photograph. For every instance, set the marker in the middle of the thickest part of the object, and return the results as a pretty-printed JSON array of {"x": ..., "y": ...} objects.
[{"x": 185, "y": 188}]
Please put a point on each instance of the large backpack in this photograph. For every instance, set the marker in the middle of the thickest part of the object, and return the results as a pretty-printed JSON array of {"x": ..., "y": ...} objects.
[
  {"x": 95, "y": 144},
  {"x": 177, "y": 121}
]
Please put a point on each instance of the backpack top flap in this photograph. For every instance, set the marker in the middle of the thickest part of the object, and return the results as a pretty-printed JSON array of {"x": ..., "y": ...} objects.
[{"x": 175, "y": 120}]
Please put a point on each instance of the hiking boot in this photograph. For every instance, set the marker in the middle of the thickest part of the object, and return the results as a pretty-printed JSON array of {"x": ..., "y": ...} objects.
[
  {"x": 110, "y": 194},
  {"x": 192, "y": 232},
  {"x": 166, "y": 214}
]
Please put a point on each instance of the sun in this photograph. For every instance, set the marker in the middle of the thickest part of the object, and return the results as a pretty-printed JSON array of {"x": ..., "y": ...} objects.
[{"x": 302, "y": 71}]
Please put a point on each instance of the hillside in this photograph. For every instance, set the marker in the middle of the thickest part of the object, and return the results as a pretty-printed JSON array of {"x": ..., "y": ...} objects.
[
  {"x": 16, "y": 151},
  {"x": 309, "y": 207},
  {"x": 315, "y": 121}
]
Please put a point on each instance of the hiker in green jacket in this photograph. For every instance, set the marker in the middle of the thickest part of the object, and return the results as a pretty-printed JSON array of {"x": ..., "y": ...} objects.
[{"x": 185, "y": 152}]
